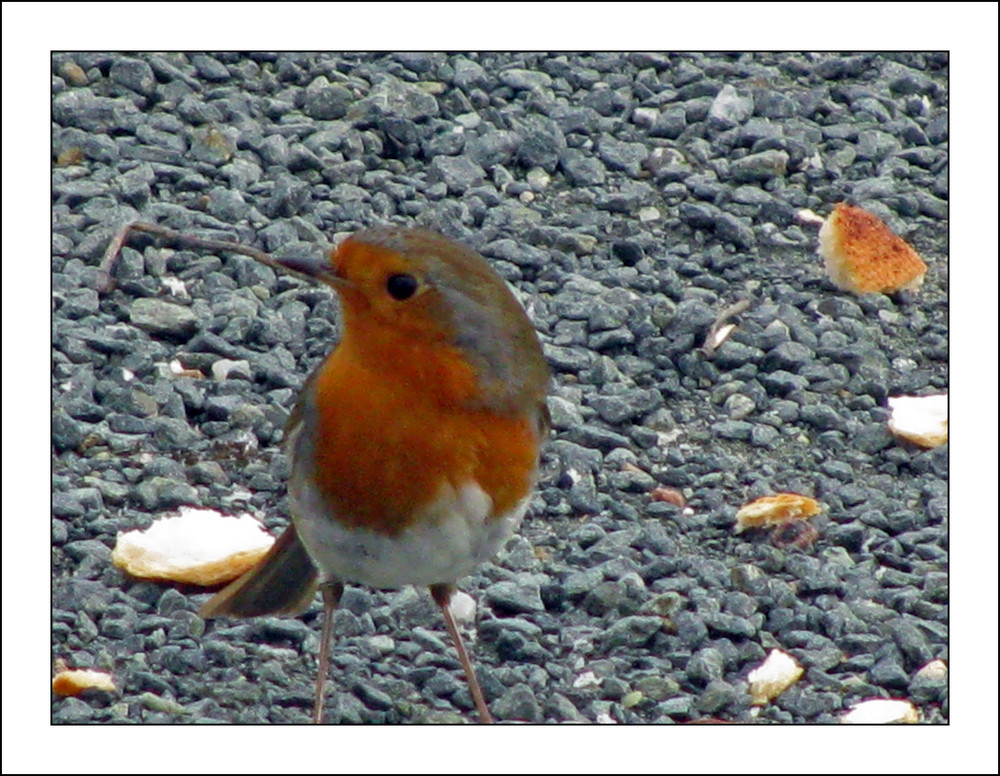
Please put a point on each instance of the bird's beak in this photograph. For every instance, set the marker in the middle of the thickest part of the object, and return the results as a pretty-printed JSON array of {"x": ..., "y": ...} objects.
[{"x": 313, "y": 268}]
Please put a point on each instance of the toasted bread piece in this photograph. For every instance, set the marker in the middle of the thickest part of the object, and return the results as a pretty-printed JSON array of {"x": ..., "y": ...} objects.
[
  {"x": 863, "y": 256},
  {"x": 200, "y": 547},
  {"x": 882, "y": 711},
  {"x": 922, "y": 420},
  {"x": 772, "y": 677},
  {"x": 73, "y": 681},
  {"x": 776, "y": 510}
]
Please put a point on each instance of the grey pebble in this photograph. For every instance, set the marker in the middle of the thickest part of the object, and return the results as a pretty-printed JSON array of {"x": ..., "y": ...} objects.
[{"x": 162, "y": 317}]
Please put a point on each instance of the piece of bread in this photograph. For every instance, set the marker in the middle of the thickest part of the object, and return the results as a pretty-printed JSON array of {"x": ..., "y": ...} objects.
[
  {"x": 73, "y": 681},
  {"x": 862, "y": 255},
  {"x": 199, "y": 547},
  {"x": 922, "y": 420},
  {"x": 775, "y": 510}
]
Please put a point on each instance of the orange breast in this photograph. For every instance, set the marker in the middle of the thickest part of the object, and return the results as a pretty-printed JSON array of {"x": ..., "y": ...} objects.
[{"x": 390, "y": 439}]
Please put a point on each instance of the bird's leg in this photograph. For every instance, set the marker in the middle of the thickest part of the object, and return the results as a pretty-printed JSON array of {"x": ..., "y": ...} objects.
[
  {"x": 442, "y": 594},
  {"x": 332, "y": 591}
]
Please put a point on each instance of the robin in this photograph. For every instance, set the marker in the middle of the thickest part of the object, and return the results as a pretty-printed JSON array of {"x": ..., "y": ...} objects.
[{"x": 414, "y": 445}]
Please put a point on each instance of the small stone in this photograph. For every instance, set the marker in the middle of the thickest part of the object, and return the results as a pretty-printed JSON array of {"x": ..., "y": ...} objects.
[
  {"x": 159, "y": 316},
  {"x": 525, "y": 79},
  {"x": 760, "y": 167},
  {"x": 516, "y": 596},
  {"x": 136, "y": 74},
  {"x": 212, "y": 145},
  {"x": 632, "y": 631},
  {"x": 518, "y": 703},
  {"x": 458, "y": 173}
]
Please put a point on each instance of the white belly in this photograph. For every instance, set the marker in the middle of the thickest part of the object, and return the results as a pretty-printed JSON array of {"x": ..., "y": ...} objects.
[{"x": 454, "y": 538}]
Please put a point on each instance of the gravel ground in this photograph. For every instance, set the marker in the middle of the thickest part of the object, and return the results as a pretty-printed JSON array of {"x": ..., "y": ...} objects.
[{"x": 630, "y": 199}]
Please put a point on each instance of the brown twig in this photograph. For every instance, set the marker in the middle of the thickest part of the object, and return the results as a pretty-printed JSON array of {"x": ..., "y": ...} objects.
[
  {"x": 114, "y": 248},
  {"x": 105, "y": 282},
  {"x": 714, "y": 339}
]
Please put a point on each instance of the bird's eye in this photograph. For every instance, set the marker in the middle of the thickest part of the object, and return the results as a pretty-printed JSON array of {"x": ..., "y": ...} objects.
[{"x": 401, "y": 286}]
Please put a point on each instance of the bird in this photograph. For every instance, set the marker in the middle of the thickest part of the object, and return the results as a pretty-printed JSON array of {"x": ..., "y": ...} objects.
[{"x": 415, "y": 445}]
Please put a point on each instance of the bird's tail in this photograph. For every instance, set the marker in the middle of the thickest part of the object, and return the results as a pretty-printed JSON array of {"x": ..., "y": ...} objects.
[{"x": 283, "y": 582}]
